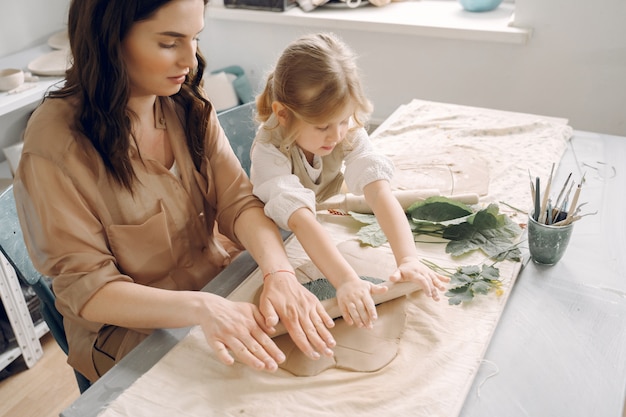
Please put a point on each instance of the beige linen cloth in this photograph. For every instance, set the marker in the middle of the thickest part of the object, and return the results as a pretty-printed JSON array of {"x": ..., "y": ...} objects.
[{"x": 442, "y": 346}]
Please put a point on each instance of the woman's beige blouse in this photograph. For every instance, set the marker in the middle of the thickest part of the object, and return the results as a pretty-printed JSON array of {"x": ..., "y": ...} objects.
[{"x": 84, "y": 230}]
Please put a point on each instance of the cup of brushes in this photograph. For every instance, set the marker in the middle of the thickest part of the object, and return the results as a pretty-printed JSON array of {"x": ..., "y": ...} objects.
[{"x": 551, "y": 222}]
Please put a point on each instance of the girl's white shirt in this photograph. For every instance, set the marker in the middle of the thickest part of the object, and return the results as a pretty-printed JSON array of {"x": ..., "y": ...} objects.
[{"x": 283, "y": 193}]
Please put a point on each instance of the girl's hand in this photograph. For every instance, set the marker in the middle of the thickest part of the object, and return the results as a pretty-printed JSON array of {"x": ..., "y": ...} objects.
[
  {"x": 412, "y": 269},
  {"x": 356, "y": 304},
  {"x": 237, "y": 330},
  {"x": 304, "y": 317}
]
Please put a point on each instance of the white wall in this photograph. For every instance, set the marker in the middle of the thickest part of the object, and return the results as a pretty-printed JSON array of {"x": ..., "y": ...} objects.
[
  {"x": 574, "y": 65},
  {"x": 27, "y": 23}
]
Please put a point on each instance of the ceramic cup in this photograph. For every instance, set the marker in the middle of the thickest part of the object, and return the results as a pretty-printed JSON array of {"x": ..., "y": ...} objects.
[
  {"x": 479, "y": 5},
  {"x": 547, "y": 243},
  {"x": 11, "y": 78}
]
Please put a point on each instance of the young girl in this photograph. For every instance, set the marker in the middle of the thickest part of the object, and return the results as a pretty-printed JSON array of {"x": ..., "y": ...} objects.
[{"x": 313, "y": 110}]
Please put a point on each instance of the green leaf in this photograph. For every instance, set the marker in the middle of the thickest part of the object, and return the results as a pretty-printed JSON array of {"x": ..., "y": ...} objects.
[
  {"x": 372, "y": 235},
  {"x": 459, "y": 295},
  {"x": 487, "y": 230},
  {"x": 438, "y": 209},
  {"x": 490, "y": 272},
  {"x": 363, "y": 218},
  {"x": 459, "y": 279},
  {"x": 480, "y": 287},
  {"x": 469, "y": 270}
]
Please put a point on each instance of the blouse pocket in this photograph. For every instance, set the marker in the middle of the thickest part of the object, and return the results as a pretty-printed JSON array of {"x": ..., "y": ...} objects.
[{"x": 143, "y": 251}]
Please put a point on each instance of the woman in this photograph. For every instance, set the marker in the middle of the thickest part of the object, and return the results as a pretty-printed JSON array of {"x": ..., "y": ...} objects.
[{"x": 125, "y": 178}]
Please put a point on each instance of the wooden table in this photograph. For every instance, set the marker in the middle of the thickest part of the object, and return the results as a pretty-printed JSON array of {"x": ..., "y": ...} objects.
[{"x": 560, "y": 345}]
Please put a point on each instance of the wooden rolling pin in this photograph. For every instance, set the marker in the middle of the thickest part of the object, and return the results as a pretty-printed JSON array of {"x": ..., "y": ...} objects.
[
  {"x": 350, "y": 202},
  {"x": 396, "y": 290}
]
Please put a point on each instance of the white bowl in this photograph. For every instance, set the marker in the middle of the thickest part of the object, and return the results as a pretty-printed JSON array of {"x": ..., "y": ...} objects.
[{"x": 11, "y": 78}]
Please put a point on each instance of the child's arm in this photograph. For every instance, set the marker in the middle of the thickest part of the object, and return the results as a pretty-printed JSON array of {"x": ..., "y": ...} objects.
[
  {"x": 394, "y": 224},
  {"x": 353, "y": 294}
]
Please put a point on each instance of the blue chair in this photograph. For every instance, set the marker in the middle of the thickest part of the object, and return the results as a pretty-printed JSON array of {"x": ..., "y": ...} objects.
[
  {"x": 240, "y": 127},
  {"x": 14, "y": 249}
]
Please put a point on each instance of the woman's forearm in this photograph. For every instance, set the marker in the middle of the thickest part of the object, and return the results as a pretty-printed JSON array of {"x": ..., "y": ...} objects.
[
  {"x": 131, "y": 305},
  {"x": 263, "y": 241}
]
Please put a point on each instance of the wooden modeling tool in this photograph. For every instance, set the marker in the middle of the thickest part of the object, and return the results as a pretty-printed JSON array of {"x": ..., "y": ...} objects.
[
  {"x": 546, "y": 194},
  {"x": 395, "y": 290}
]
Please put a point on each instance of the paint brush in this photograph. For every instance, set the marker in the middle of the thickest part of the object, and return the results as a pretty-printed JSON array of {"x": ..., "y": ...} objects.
[
  {"x": 549, "y": 212},
  {"x": 537, "y": 199},
  {"x": 546, "y": 194}
]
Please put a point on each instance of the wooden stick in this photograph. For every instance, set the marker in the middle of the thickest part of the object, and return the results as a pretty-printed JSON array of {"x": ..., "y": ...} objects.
[
  {"x": 572, "y": 207},
  {"x": 546, "y": 193},
  {"x": 558, "y": 199},
  {"x": 395, "y": 290}
]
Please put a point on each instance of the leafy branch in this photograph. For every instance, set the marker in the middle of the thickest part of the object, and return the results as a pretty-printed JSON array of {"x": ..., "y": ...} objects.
[
  {"x": 468, "y": 281},
  {"x": 466, "y": 229}
]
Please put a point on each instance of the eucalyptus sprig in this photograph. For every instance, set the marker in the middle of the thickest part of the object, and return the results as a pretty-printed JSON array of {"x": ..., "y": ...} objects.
[{"x": 468, "y": 281}]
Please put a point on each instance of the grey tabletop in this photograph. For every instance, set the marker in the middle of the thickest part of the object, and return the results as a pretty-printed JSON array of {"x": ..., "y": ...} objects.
[{"x": 560, "y": 346}]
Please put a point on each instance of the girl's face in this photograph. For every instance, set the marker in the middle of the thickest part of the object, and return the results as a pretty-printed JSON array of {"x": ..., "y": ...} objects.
[
  {"x": 161, "y": 51},
  {"x": 321, "y": 139}
]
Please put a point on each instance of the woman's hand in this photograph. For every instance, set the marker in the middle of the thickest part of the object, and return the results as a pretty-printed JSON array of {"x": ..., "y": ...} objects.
[
  {"x": 412, "y": 269},
  {"x": 304, "y": 317},
  {"x": 236, "y": 330},
  {"x": 356, "y": 304}
]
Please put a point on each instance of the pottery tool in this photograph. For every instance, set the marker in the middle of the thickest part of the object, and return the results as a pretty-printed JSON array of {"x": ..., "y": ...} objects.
[
  {"x": 549, "y": 212},
  {"x": 546, "y": 194},
  {"x": 560, "y": 196},
  {"x": 572, "y": 208},
  {"x": 562, "y": 210},
  {"x": 537, "y": 199}
]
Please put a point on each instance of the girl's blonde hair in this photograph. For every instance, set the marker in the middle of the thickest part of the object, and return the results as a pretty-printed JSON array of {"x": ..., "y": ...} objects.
[{"x": 315, "y": 78}]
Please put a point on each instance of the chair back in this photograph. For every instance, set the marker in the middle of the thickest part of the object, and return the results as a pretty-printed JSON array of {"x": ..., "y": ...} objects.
[
  {"x": 240, "y": 128},
  {"x": 14, "y": 249}
]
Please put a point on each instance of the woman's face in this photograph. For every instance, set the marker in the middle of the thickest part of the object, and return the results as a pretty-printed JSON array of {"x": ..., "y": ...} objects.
[
  {"x": 161, "y": 51},
  {"x": 321, "y": 138}
]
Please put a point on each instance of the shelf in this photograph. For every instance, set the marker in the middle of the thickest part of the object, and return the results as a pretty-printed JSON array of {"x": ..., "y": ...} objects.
[
  {"x": 12, "y": 353},
  {"x": 438, "y": 19},
  {"x": 11, "y": 102}
]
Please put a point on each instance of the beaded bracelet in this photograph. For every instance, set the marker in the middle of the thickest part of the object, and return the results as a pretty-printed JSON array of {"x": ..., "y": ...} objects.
[{"x": 277, "y": 271}]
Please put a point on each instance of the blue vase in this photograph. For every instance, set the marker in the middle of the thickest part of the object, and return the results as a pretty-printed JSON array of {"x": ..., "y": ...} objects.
[{"x": 479, "y": 5}]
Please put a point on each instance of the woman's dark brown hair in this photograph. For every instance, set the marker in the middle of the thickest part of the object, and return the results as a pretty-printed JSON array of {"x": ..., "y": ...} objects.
[{"x": 99, "y": 81}]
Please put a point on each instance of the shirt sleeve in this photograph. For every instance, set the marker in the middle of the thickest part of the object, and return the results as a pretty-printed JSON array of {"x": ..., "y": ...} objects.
[
  {"x": 364, "y": 165},
  {"x": 230, "y": 186},
  {"x": 64, "y": 236},
  {"x": 273, "y": 183}
]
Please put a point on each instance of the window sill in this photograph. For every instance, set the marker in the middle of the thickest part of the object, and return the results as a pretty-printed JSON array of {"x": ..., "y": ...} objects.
[{"x": 429, "y": 18}]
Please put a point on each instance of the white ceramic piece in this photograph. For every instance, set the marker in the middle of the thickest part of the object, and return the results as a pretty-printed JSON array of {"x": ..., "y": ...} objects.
[
  {"x": 52, "y": 63},
  {"x": 11, "y": 78},
  {"x": 59, "y": 40}
]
